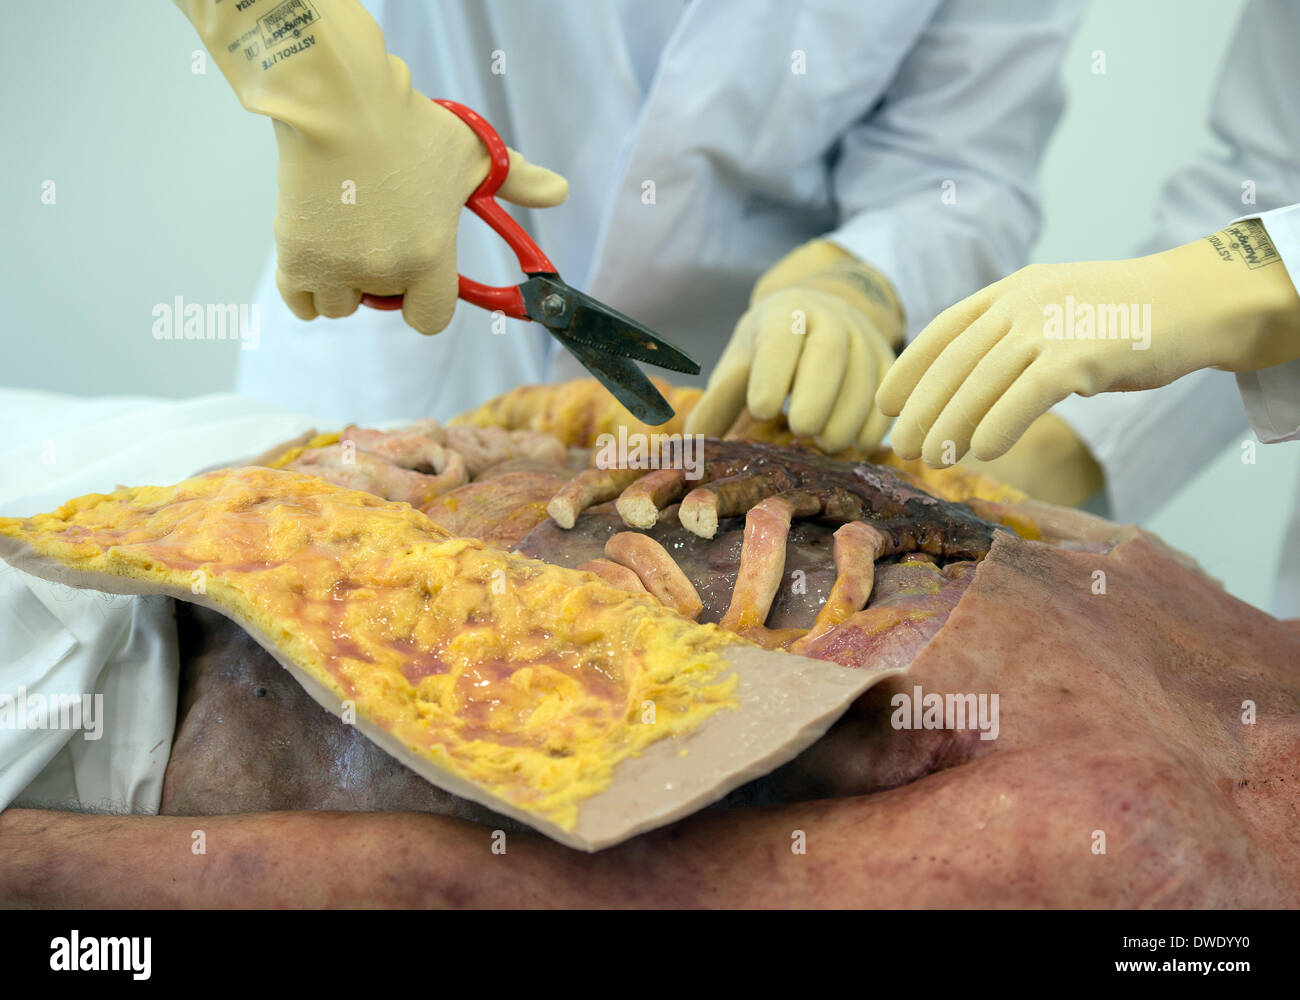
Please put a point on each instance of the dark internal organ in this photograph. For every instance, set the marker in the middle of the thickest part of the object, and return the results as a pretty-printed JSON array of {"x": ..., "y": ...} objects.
[
  {"x": 425, "y": 460},
  {"x": 494, "y": 484},
  {"x": 878, "y": 516},
  {"x": 910, "y": 598}
]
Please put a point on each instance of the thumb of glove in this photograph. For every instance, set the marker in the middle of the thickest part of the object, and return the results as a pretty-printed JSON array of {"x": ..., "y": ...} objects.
[{"x": 531, "y": 186}]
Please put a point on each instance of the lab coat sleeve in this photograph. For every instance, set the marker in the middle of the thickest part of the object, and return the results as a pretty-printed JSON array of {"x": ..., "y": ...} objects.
[
  {"x": 1272, "y": 395},
  {"x": 936, "y": 185}
]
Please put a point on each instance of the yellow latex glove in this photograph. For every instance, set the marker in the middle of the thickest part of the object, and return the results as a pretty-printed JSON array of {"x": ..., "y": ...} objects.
[
  {"x": 978, "y": 375},
  {"x": 372, "y": 174},
  {"x": 822, "y": 328},
  {"x": 1049, "y": 462}
]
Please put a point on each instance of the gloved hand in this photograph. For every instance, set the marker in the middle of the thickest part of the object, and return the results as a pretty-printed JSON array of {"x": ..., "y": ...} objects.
[
  {"x": 372, "y": 174},
  {"x": 822, "y": 328},
  {"x": 978, "y": 375},
  {"x": 1049, "y": 462}
]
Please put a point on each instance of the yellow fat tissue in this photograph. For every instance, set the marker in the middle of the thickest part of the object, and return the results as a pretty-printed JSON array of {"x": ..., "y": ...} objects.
[{"x": 527, "y": 679}]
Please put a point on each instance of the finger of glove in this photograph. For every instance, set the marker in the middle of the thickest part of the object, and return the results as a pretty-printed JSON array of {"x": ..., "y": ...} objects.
[
  {"x": 853, "y": 404},
  {"x": 721, "y": 403},
  {"x": 778, "y": 341},
  {"x": 739, "y": 349},
  {"x": 949, "y": 437},
  {"x": 298, "y": 300},
  {"x": 532, "y": 186},
  {"x": 940, "y": 381},
  {"x": 1035, "y": 392},
  {"x": 877, "y": 424},
  {"x": 819, "y": 378},
  {"x": 873, "y": 431},
  {"x": 430, "y": 301},
  {"x": 337, "y": 302},
  {"x": 930, "y": 343}
]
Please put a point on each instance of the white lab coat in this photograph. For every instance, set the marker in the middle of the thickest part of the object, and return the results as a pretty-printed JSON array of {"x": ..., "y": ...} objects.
[
  {"x": 702, "y": 142},
  {"x": 911, "y": 138},
  {"x": 1151, "y": 443}
]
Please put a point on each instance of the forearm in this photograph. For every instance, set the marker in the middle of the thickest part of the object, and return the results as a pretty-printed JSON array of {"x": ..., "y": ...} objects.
[
  {"x": 299, "y": 859},
  {"x": 829, "y": 853},
  {"x": 741, "y": 858}
]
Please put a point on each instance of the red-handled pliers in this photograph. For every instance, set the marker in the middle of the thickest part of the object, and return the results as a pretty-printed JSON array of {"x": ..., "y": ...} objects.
[{"x": 602, "y": 339}]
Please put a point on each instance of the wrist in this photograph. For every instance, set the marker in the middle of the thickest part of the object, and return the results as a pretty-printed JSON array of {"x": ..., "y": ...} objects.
[
  {"x": 1251, "y": 308},
  {"x": 318, "y": 113},
  {"x": 320, "y": 71}
]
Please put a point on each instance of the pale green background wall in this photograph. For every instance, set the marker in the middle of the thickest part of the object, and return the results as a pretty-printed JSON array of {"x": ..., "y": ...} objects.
[{"x": 165, "y": 187}]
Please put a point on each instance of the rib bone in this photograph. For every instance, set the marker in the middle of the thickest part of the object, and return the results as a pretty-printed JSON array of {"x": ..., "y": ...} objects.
[
  {"x": 658, "y": 571},
  {"x": 640, "y": 504}
]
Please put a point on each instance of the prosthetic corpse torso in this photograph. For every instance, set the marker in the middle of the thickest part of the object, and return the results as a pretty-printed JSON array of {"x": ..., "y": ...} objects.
[
  {"x": 1120, "y": 711},
  {"x": 1117, "y": 711}
]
